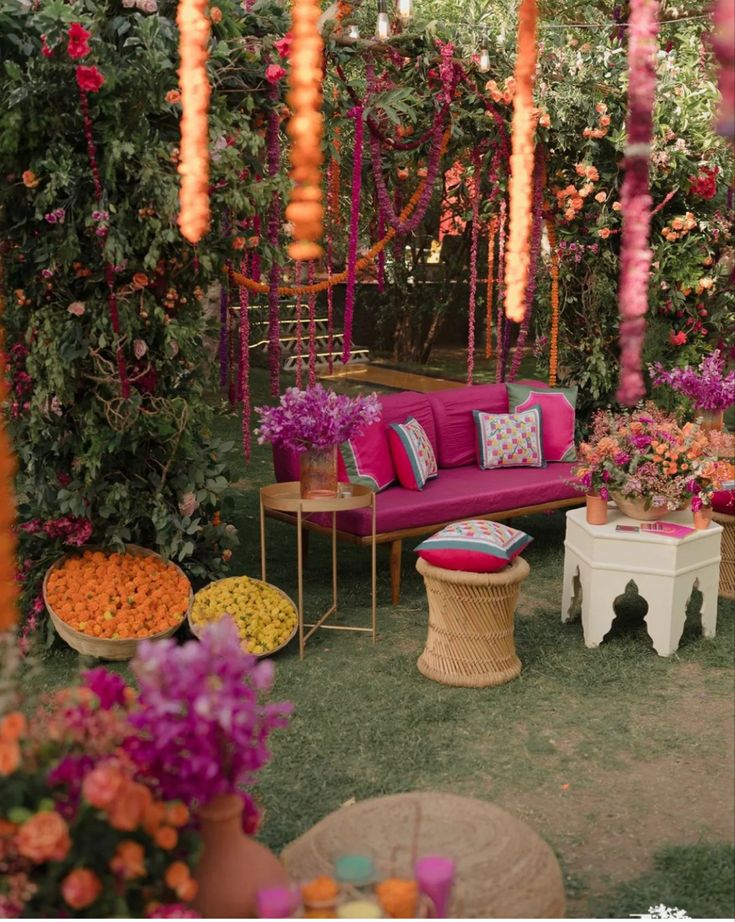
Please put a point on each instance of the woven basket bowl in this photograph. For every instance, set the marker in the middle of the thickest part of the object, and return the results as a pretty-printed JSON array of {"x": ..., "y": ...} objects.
[
  {"x": 636, "y": 509},
  {"x": 103, "y": 647},
  {"x": 195, "y": 629}
]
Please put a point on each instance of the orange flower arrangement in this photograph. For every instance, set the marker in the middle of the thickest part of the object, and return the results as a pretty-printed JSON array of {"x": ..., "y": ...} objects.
[
  {"x": 554, "y": 337},
  {"x": 193, "y": 166},
  {"x": 118, "y": 596},
  {"x": 491, "y": 232},
  {"x": 521, "y": 165},
  {"x": 305, "y": 128},
  {"x": 8, "y": 583}
]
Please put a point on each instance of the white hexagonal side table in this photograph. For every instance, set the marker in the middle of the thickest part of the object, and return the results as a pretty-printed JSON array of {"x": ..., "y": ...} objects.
[{"x": 599, "y": 562}]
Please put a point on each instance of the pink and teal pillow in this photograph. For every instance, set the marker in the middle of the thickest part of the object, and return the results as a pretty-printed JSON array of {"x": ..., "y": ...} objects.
[
  {"x": 367, "y": 460},
  {"x": 475, "y": 546},
  {"x": 557, "y": 414},
  {"x": 509, "y": 439},
  {"x": 412, "y": 453}
]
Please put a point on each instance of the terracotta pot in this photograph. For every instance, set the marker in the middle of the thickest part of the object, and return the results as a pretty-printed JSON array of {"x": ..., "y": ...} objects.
[
  {"x": 636, "y": 509},
  {"x": 232, "y": 867},
  {"x": 596, "y": 509},
  {"x": 318, "y": 473},
  {"x": 711, "y": 419},
  {"x": 702, "y": 517}
]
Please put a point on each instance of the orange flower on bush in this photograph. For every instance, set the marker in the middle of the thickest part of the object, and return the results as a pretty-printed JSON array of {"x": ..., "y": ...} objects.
[
  {"x": 179, "y": 879},
  {"x": 128, "y": 860},
  {"x": 140, "y": 280},
  {"x": 9, "y": 756},
  {"x": 12, "y": 726},
  {"x": 177, "y": 814},
  {"x": 102, "y": 785},
  {"x": 30, "y": 180},
  {"x": 44, "y": 837},
  {"x": 166, "y": 837},
  {"x": 129, "y": 807},
  {"x": 81, "y": 888},
  {"x": 173, "y": 96}
]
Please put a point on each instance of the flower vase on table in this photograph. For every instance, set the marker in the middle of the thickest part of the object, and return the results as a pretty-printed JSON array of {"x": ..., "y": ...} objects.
[
  {"x": 596, "y": 509},
  {"x": 318, "y": 473},
  {"x": 702, "y": 516},
  {"x": 711, "y": 420},
  {"x": 635, "y": 508}
]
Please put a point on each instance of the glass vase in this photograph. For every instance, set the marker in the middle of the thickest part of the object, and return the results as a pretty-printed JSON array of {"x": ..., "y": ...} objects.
[
  {"x": 711, "y": 419},
  {"x": 318, "y": 476}
]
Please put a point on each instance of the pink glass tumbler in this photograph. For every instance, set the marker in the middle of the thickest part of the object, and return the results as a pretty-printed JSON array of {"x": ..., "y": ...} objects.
[{"x": 435, "y": 877}]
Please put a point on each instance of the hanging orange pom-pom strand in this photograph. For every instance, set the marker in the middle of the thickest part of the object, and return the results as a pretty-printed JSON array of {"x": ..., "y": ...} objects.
[
  {"x": 8, "y": 582},
  {"x": 194, "y": 148},
  {"x": 305, "y": 128},
  {"x": 492, "y": 230},
  {"x": 521, "y": 165},
  {"x": 554, "y": 337}
]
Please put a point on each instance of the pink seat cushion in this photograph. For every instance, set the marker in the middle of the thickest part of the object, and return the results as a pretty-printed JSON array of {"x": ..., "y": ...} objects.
[
  {"x": 557, "y": 415},
  {"x": 724, "y": 502},
  {"x": 460, "y": 493},
  {"x": 455, "y": 423}
]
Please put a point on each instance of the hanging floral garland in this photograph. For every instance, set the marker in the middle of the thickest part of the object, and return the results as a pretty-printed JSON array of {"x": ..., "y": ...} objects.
[
  {"x": 723, "y": 43},
  {"x": 8, "y": 581},
  {"x": 274, "y": 227},
  {"x": 357, "y": 115},
  {"x": 223, "y": 332},
  {"x": 521, "y": 164},
  {"x": 244, "y": 363},
  {"x": 305, "y": 128},
  {"x": 311, "y": 272},
  {"x": 501, "y": 292},
  {"x": 475, "y": 237},
  {"x": 554, "y": 337},
  {"x": 298, "y": 275},
  {"x": 492, "y": 230},
  {"x": 193, "y": 167},
  {"x": 635, "y": 198},
  {"x": 536, "y": 234}
]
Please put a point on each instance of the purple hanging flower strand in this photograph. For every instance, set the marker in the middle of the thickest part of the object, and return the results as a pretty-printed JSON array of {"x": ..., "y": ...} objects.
[
  {"x": 311, "y": 274},
  {"x": 500, "y": 323},
  {"x": 475, "y": 235},
  {"x": 274, "y": 228},
  {"x": 357, "y": 115},
  {"x": 244, "y": 366}
]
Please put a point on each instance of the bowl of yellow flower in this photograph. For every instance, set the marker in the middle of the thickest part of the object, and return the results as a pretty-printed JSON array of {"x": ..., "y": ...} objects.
[{"x": 265, "y": 616}]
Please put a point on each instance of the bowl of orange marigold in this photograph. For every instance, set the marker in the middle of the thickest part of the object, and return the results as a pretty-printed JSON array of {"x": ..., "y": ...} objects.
[{"x": 102, "y": 603}]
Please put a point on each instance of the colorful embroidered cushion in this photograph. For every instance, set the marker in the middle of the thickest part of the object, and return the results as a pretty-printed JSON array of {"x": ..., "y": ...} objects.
[
  {"x": 412, "y": 453},
  {"x": 557, "y": 413},
  {"x": 474, "y": 546},
  {"x": 367, "y": 460},
  {"x": 509, "y": 439}
]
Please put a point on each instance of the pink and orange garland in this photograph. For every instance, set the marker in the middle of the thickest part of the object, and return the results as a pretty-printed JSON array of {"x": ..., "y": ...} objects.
[
  {"x": 554, "y": 335},
  {"x": 305, "y": 128},
  {"x": 194, "y": 28},
  {"x": 8, "y": 581},
  {"x": 635, "y": 198},
  {"x": 521, "y": 164},
  {"x": 492, "y": 231}
]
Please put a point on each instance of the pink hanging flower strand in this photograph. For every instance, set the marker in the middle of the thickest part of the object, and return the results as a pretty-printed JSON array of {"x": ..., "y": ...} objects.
[
  {"x": 635, "y": 198},
  {"x": 475, "y": 236},
  {"x": 357, "y": 115}
]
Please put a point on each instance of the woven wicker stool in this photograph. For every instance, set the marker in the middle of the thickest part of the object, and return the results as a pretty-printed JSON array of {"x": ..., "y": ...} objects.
[
  {"x": 470, "y": 639},
  {"x": 727, "y": 564}
]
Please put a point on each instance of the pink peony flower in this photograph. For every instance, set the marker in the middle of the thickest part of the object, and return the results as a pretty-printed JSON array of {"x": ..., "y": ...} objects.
[
  {"x": 89, "y": 79},
  {"x": 274, "y": 73},
  {"x": 283, "y": 45},
  {"x": 76, "y": 308}
]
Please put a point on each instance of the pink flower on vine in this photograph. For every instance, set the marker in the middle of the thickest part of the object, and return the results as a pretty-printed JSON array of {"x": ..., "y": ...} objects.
[
  {"x": 274, "y": 73},
  {"x": 46, "y": 51},
  {"x": 76, "y": 308},
  {"x": 78, "y": 46},
  {"x": 89, "y": 79},
  {"x": 283, "y": 45}
]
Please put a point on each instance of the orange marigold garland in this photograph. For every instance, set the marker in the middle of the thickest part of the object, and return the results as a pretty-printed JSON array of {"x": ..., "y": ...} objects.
[
  {"x": 194, "y": 148},
  {"x": 521, "y": 164},
  {"x": 305, "y": 128},
  {"x": 554, "y": 337},
  {"x": 8, "y": 583}
]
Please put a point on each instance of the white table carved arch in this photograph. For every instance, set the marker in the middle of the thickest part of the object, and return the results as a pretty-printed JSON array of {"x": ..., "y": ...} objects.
[{"x": 600, "y": 561}]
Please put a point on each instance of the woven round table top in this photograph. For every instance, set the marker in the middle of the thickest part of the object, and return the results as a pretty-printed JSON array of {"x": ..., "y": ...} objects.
[{"x": 504, "y": 868}]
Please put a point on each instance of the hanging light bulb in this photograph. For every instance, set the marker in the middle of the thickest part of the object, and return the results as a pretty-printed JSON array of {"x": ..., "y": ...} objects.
[
  {"x": 405, "y": 10},
  {"x": 382, "y": 26},
  {"x": 483, "y": 65},
  {"x": 353, "y": 31}
]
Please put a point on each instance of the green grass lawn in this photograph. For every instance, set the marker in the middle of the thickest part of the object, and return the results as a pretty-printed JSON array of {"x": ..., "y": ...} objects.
[{"x": 621, "y": 760}]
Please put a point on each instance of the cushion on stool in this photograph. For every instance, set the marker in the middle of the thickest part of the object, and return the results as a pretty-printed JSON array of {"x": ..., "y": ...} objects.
[{"x": 475, "y": 546}]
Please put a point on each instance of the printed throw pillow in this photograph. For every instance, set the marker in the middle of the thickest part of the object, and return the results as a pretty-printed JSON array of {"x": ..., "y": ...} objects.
[
  {"x": 412, "y": 453},
  {"x": 366, "y": 459},
  {"x": 557, "y": 414},
  {"x": 475, "y": 546},
  {"x": 509, "y": 439}
]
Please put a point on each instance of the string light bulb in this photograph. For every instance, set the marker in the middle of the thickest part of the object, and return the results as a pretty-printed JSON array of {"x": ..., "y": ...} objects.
[
  {"x": 353, "y": 31},
  {"x": 382, "y": 27},
  {"x": 483, "y": 65},
  {"x": 405, "y": 10}
]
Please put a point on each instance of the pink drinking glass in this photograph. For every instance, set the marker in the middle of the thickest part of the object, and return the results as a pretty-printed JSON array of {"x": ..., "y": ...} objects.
[{"x": 435, "y": 877}]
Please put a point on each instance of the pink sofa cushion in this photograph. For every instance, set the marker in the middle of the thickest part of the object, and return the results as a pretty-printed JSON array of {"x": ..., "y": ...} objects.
[
  {"x": 398, "y": 407},
  {"x": 367, "y": 460},
  {"x": 455, "y": 424},
  {"x": 412, "y": 453},
  {"x": 557, "y": 413},
  {"x": 461, "y": 493},
  {"x": 724, "y": 502},
  {"x": 474, "y": 546}
]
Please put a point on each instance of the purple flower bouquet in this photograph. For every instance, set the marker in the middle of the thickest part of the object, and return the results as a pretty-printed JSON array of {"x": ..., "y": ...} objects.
[
  {"x": 708, "y": 386},
  {"x": 315, "y": 418}
]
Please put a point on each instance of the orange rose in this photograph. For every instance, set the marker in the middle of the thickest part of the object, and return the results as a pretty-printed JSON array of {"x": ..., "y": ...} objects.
[
  {"x": 188, "y": 890},
  {"x": 176, "y": 874},
  {"x": 600, "y": 197},
  {"x": 128, "y": 860},
  {"x": 12, "y": 726},
  {"x": 9, "y": 756},
  {"x": 102, "y": 785},
  {"x": 80, "y": 888},
  {"x": 140, "y": 280},
  {"x": 129, "y": 807},
  {"x": 592, "y": 174},
  {"x": 44, "y": 837},
  {"x": 166, "y": 837},
  {"x": 30, "y": 180},
  {"x": 616, "y": 206},
  {"x": 173, "y": 96},
  {"x": 215, "y": 14},
  {"x": 604, "y": 121},
  {"x": 177, "y": 814},
  {"x": 604, "y": 232},
  {"x": 238, "y": 243},
  {"x": 545, "y": 120},
  {"x": 154, "y": 815}
]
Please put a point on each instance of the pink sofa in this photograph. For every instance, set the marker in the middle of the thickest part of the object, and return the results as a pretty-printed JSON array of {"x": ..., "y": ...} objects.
[{"x": 462, "y": 490}]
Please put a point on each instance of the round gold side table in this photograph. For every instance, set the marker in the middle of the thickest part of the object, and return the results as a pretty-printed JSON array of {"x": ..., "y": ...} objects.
[{"x": 286, "y": 498}]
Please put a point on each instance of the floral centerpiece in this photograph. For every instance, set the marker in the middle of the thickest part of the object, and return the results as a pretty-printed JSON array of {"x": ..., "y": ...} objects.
[
  {"x": 312, "y": 423},
  {"x": 649, "y": 464},
  {"x": 102, "y": 788},
  {"x": 709, "y": 386}
]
